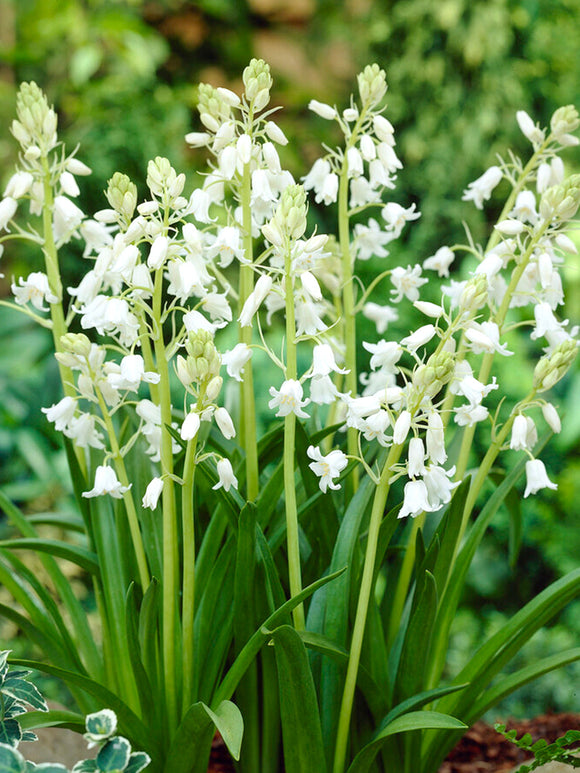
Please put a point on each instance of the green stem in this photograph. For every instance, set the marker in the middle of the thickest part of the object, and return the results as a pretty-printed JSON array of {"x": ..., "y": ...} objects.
[
  {"x": 248, "y": 403},
  {"x": 366, "y": 588},
  {"x": 292, "y": 536},
  {"x": 130, "y": 509},
  {"x": 59, "y": 326},
  {"x": 188, "y": 599},
  {"x": 348, "y": 308},
  {"x": 170, "y": 550}
]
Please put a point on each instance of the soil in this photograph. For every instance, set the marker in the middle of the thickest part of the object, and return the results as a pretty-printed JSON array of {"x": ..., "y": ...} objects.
[{"x": 481, "y": 750}]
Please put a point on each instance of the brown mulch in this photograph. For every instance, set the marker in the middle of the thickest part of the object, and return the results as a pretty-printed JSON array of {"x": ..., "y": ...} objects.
[{"x": 481, "y": 750}]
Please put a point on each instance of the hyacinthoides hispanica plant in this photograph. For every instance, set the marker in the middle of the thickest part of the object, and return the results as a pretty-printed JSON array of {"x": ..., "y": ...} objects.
[{"x": 200, "y": 548}]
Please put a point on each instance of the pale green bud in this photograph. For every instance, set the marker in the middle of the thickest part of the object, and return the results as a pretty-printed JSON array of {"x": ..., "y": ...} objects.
[
  {"x": 551, "y": 368},
  {"x": 257, "y": 83},
  {"x": 474, "y": 295},
  {"x": 561, "y": 201},
  {"x": 37, "y": 122},
  {"x": 290, "y": 216},
  {"x": 213, "y": 109},
  {"x": 565, "y": 120},
  {"x": 372, "y": 84},
  {"x": 76, "y": 343},
  {"x": 204, "y": 361},
  {"x": 214, "y": 388},
  {"x": 184, "y": 372},
  {"x": 122, "y": 195},
  {"x": 434, "y": 374}
]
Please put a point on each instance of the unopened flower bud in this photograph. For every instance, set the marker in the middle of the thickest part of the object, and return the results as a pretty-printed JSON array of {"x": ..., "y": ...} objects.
[
  {"x": 214, "y": 388},
  {"x": 76, "y": 343},
  {"x": 37, "y": 122},
  {"x": 290, "y": 216},
  {"x": 561, "y": 201},
  {"x": 257, "y": 83},
  {"x": 184, "y": 372},
  {"x": 552, "y": 367},
  {"x": 205, "y": 361},
  {"x": 474, "y": 295},
  {"x": 564, "y": 121},
  {"x": 122, "y": 195},
  {"x": 213, "y": 109},
  {"x": 372, "y": 84}
]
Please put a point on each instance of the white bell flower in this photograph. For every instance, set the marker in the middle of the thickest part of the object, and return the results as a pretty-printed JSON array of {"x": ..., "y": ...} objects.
[
  {"x": 519, "y": 437},
  {"x": 67, "y": 217},
  {"x": 385, "y": 354},
  {"x": 406, "y": 282},
  {"x": 8, "y": 207},
  {"x": 397, "y": 216},
  {"x": 435, "y": 437},
  {"x": 380, "y": 315},
  {"x": 322, "y": 109},
  {"x": 106, "y": 482},
  {"x": 416, "y": 457},
  {"x": 235, "y": 359},
  {"x": 327, "y": 467},
  {"x": 227, "y": 479},
  {"x": 439, "y": 486},
  {"x": 19, "y": 185},
  {"x": 468, "y": 415},
  {"x": 440, "y": 261},
  {"x": 551, "y": 417},
  {"x": 34, "y": 289},
  {"x": 288, "y": 399},
  {"x": 484, "y": 339},
  {"x": 416, "y": 499},
  {"x": 61, "y": 413},
  {"x": 402, "y": 427},
  {"x": 152, "y": 493},
  {"x": 190, "y": 426},
  {"x": 369, "y": 240},
  {"x": 375, "y": 427},
  {"x": 419, "y": 337},
  {"x": 255, "y": 300},
  {"x": 158, "y": 252},
  {"x": 537, "y": 477},
  {"x": 225, "y": 423},
  {"x": 529, "y": 129},
  {"x": 131, "y": 373},
  {"x": 323, "y": 391},
  {"x": 83, "y": 431},
  {"x": 324, "y": 362},
  {"x": 480, "y": 190}
]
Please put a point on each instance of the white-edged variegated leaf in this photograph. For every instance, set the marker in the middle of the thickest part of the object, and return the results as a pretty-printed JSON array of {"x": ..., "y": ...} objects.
[
  {"x": 114, "y": 755},
  {"x": 24, "y": 692}
]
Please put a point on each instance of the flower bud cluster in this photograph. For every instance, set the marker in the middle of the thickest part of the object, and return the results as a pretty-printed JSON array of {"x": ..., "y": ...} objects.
[
  {"x": 257, "y": 83},
  {"x": 122, "y": 196},
  {"x": 35, "y": 127}
]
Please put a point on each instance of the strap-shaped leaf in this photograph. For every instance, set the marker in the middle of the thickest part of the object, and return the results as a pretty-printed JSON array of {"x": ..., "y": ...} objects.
[
  {"x": 69, "y": 720},
  {"x": 77, "y": 554},
  {"x": 301, "y": 730},
  {"x": 415, "y": 720}
]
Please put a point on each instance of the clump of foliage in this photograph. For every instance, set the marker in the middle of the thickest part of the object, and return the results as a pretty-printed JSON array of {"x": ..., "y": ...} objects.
[{"x": 544, "y": 752}]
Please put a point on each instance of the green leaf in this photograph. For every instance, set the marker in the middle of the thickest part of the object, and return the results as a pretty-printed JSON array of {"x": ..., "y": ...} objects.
[
  {"x": 229, "y": 722},
  {"x": 11, "y": 761},
  {"x": 512, "y": 682},
  {"x": 415, "y": 720},
  {"x": 137, "y": 761},
  {"x": 192, "y": 741},
  {"x": 114, "y": 755},
  {"x": 10, "y": 732},
  {"x": 51, "y": 767},
  {"x": 251, "y": 649},
  {"x": 101, "y": 725},
  {"x": 24, "y": 691},
  {"x": 70, "y": 720},
  {"x": 78, "y": 555},
  {"x": 301, "y": 730}
]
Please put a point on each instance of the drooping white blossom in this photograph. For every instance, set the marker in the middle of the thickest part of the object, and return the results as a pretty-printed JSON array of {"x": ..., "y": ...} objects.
[
  {"x": 106, "y": 482},
  {"x": 327, "y": 467}
]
